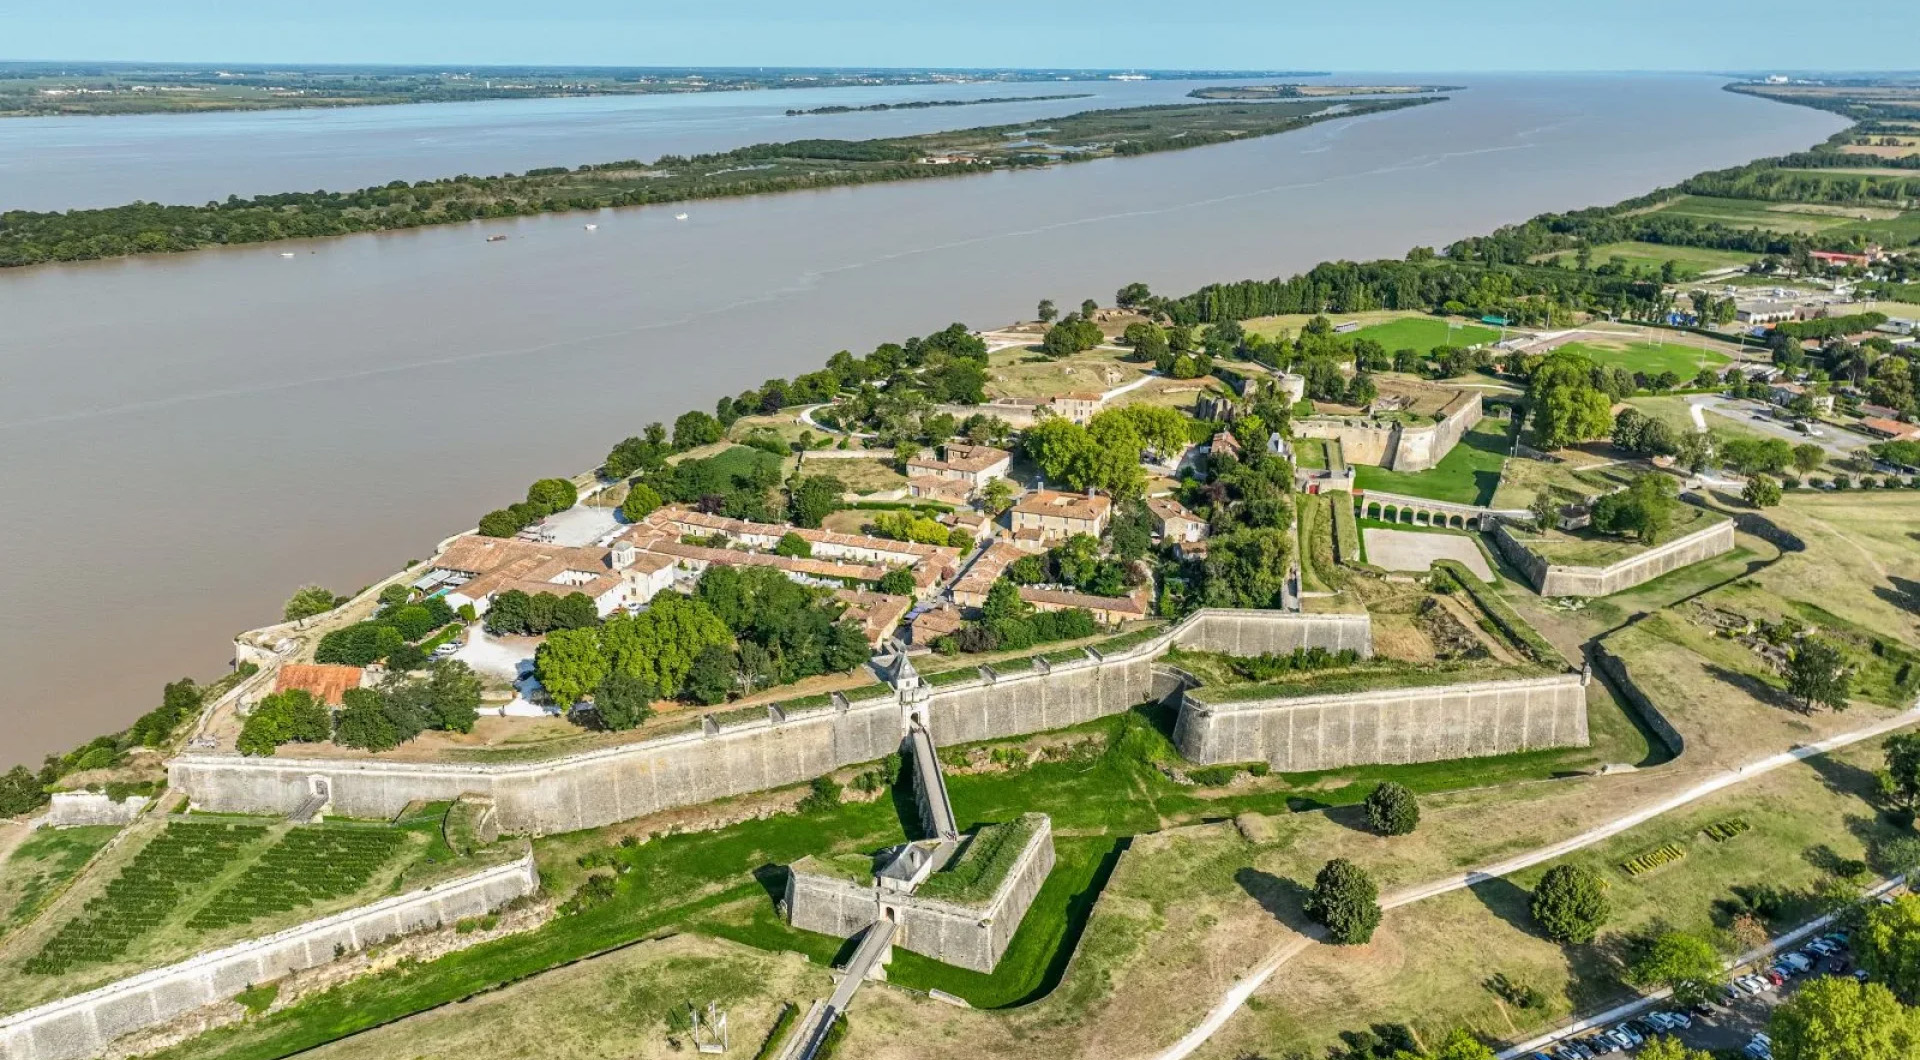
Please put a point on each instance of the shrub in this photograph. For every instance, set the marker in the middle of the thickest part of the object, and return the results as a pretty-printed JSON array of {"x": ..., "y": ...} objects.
[
  {"x": 1664, "y": 854},
  {"x": 1721, "y": 831},
  {"x": 1570, "y": 903},
  {"x": 1346, "y": 901},
  {"x": 1392, "y": 809}
]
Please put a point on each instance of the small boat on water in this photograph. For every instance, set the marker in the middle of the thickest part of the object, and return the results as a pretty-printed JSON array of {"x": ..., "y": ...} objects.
[
  {"x": 286, "y": 253},
  {"x": 590, "y": 227},
  {"x": 495, "y": 239},
  {"x": 679, "y": 217}
]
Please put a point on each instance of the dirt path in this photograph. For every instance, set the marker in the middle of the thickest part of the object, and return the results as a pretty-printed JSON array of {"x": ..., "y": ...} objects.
[{"x": 1245, "y": 988}]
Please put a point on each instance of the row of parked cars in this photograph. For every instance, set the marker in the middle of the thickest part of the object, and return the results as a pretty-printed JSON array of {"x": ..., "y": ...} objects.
[{"x": 1826, "y": 954}]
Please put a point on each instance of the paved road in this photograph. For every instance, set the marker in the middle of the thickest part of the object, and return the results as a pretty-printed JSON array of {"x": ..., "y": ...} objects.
[{"x": 1240, "y": 991}]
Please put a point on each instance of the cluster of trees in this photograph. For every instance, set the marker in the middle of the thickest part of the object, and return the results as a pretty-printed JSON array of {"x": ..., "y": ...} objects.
[
  {"x": 738, "y": 483},
  {"x": 447, "y": 697},
  {"x": 1078, "y": 562},
  {"x": 545, "y": 497},
  {"x": 401, "y": 708},
  {"x": 1642, "y": 511},
  {"x": 1572, "y": 399},
  {"x": 1637, "y": 432},
  {"x": 909, "y": 526},
  {"x": 1105, "y": 454},
  {"x": 536, "y": 614},
  {"x": 1009, "y": 623},
  {"x": 389, "y": 636},
  {"x": 745, "y": 628},
  {"x": 1070, "y": 335},
  {"x": 309, "y": 601}
]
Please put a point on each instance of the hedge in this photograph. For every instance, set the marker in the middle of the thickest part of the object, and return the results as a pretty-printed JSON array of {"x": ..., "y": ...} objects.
[{"x": 1641, "y": 864}]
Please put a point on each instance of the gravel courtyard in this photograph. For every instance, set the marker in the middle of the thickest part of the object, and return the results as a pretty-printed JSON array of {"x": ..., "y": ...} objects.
[{"x": 1409, "y": 550}]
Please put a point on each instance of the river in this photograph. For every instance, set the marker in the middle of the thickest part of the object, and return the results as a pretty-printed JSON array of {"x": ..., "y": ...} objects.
[{"x": 189, "y": 438}]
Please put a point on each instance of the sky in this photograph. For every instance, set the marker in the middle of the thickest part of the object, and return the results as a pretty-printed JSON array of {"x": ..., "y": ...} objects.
[{"x": 1339, "y": 35}]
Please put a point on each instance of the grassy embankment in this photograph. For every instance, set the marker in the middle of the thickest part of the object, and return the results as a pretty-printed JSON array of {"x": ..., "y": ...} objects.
[{"x": 1468, "y": 474}]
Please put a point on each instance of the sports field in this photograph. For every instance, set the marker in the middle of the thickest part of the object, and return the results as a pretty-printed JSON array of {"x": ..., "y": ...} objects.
[
  {"x": 1651, "y": 358},
  {"x": 1394, "y": 330}
]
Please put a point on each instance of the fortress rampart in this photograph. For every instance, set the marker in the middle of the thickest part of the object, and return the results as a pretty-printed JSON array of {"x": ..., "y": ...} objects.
[
  {"x": 1553, "y": 580},
  {"x": 618, "y": 783},
  {"x": 85, "y": 1024},
  {"x": 1396, "y": 446},
  {"x": 1401, "y": 725}
]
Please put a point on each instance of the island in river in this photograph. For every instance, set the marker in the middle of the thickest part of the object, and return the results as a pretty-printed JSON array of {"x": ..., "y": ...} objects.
[
  {"x": 1299, "y": 91},
  {"x": 30, "y": 238},
  {"x": 42, "y": 88}
]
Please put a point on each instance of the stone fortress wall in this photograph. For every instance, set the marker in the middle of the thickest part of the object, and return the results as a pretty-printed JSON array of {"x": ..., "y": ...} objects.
[
  {"x": 1396, "y": 446},
  {"x": 619, "y": 783},
  {"x": 85, "y": 1024},
  {"x": 1395, "y": 726},
  {"x": 966, "y": 936},
  {"x": 1553, "y": 580}
]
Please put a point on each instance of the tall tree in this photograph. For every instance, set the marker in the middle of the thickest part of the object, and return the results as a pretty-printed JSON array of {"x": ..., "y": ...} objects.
[
  {"x": 1817, "y": 673},
  {"x": 1888, "y": 946},
  {"x": 1346, "y": 901},
  {"x": 306, "y": 602},
  {"x": 1683, "y": 963},
  {"x": 1836, "y": 1018},
  {"x": 1570, "y": 903}
]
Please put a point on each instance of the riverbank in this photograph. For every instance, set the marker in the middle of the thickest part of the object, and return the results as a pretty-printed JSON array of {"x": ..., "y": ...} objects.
[{"x": 762, "y": 169}]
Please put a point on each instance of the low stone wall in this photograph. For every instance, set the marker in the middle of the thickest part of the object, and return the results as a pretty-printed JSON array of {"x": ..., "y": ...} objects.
[
  {"x": 72, "y": 808},
  {"x": 619, "y": 783},
  {"x": 965, "y": 936},
  {"x": 1391, "y": 726},
  {"x": 1553, "y": 580},
  {"x": 85, "y": 1024}
]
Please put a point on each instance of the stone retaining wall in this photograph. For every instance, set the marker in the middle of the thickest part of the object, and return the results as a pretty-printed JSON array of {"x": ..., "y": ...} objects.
[
  {"x": 1396, "y": 446},
  {"x": 965, "y": 936},
  {"x": 618, "y": 783},
  {"x": 1553, "y": 580},
  {"x": 85, "y": 1024},
  {"x": 1391, "y": 726},
  {"x": 1614, "y": 669}
]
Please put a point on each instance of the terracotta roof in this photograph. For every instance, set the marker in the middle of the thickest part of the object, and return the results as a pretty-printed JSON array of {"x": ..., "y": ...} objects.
[
  {"x": 947, "y": 489},
  {"x": 325, "y": 681},
  {"x": 968, "y": 459},
  {"x": 878, "y": 613},
  {"x": 499, "y": 564},
  {"x": 1166, "y": 508},
  {"x": 1082, "y": 395},
  {"x": 1890, "y": 428},
  {"x": 1063, "y": 598},
  {"x": 936, "y": 623},
  {"x": 1064, "y": 505},
  {"x": 987, "y": 569},
  {"x": 673, "y": 546},
  {"x": 685, "y": 520}
]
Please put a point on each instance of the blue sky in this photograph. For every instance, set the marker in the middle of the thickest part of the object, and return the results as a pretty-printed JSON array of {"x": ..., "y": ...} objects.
[{"x": 1271, "y": 34}]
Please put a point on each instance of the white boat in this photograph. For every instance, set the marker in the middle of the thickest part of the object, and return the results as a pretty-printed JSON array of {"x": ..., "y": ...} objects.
[
  {"x": 286, "y": 253},
  {"x": 679, "y": 217},
  {"x": 590, "y": 227}
]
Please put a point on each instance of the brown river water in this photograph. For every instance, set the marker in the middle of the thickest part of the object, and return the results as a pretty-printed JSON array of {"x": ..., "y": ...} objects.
[{"x": 184, "y": 440}]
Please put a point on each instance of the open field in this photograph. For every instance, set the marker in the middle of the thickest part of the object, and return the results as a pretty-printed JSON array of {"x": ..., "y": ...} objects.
[
  {"x": 1021, "y": 372},
  {"x": 628, "y": 1004},
  {"x": 1688, "y": 261},
  {"x": 44, "y": 861},
  {"x": 1430, "y": 965},
  {"x": 1521, "y": 480},
  {"x": 860, "y": 476},
  {"x": 204, "y": 882},
  {"x": 1393, "y": 329},
  {"x": 1770, "y": 216},
  {"x": 1652, "y": 358},
  {"x": 1402, "y": 551},
  {"x": 1469, "y": 474}
]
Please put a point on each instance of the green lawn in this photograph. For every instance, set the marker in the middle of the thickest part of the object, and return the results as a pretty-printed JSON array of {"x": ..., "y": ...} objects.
[
  {"x": 1468, "y": 475},
  {"x": 1688, "y": 261},
  {"x": 1424, "y": 333},
  {"x": 1650, "y": 357}
]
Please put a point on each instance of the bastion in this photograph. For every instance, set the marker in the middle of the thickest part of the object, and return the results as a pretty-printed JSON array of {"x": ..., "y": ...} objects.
[
  {"x": 1393, "y": 445},
  {"x": 967, "y": 933},
  {"x": 1554, "y": 580}
]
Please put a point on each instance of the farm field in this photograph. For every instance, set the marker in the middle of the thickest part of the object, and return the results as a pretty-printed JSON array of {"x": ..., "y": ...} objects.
[
  {"x": 201, "y": 883},
  {"x": 1689, "y": 262},
  {"x": 1771, "y": 216},
  {"x": 1469, "y": 474},
  {"x": 43, "y": 862},
  {"x": 1651, "y": 358}
]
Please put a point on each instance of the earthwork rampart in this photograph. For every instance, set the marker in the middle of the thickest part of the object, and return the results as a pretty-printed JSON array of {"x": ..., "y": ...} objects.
[
  {"x": 85, "y": 1024},
  {"x": 780, "y": 748},
  {"x": 1554, "y": 580},
  {"x": 1394, "y": 445}
]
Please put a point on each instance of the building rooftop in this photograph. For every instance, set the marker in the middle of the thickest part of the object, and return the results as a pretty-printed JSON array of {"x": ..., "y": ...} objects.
[
  {"x": 1135, "y": 604},
  {"x": 1088, "y": 507},
  {"x": 969, "y": 459},
  {"x": 1166, "y": 508}
]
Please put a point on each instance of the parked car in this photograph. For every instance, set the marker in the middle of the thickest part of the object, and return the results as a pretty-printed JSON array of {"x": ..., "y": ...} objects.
[
  {"x": 1799, "y": 962},
  {"x": 1633, "y": 1037},
  {"x": 1678, "y": 1018}
]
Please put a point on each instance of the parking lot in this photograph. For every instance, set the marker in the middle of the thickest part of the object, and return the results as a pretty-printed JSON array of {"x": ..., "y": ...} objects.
[{"x": 1727, "y": 1025}]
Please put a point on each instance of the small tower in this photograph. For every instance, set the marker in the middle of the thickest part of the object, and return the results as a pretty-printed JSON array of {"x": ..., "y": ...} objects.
[{"x": 912, "y": 692}]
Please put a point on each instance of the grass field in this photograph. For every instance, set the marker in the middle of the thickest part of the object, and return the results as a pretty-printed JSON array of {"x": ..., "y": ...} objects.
[
  {"x": 1770, "y": 216},
  {"x": 1583, "y": 548},
  {"x": 1392, "y": 329},
  {"x": 42, "y": 863},
  {"x": 1020, "y": 372},
  {"x": 860, "y": 476},
  {"x": 1469, "y": 474},
  {"x": 1688, "y": 261},
  {"x": 1651, "y": 358},
  {"x": 1430, "y": 965}
]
